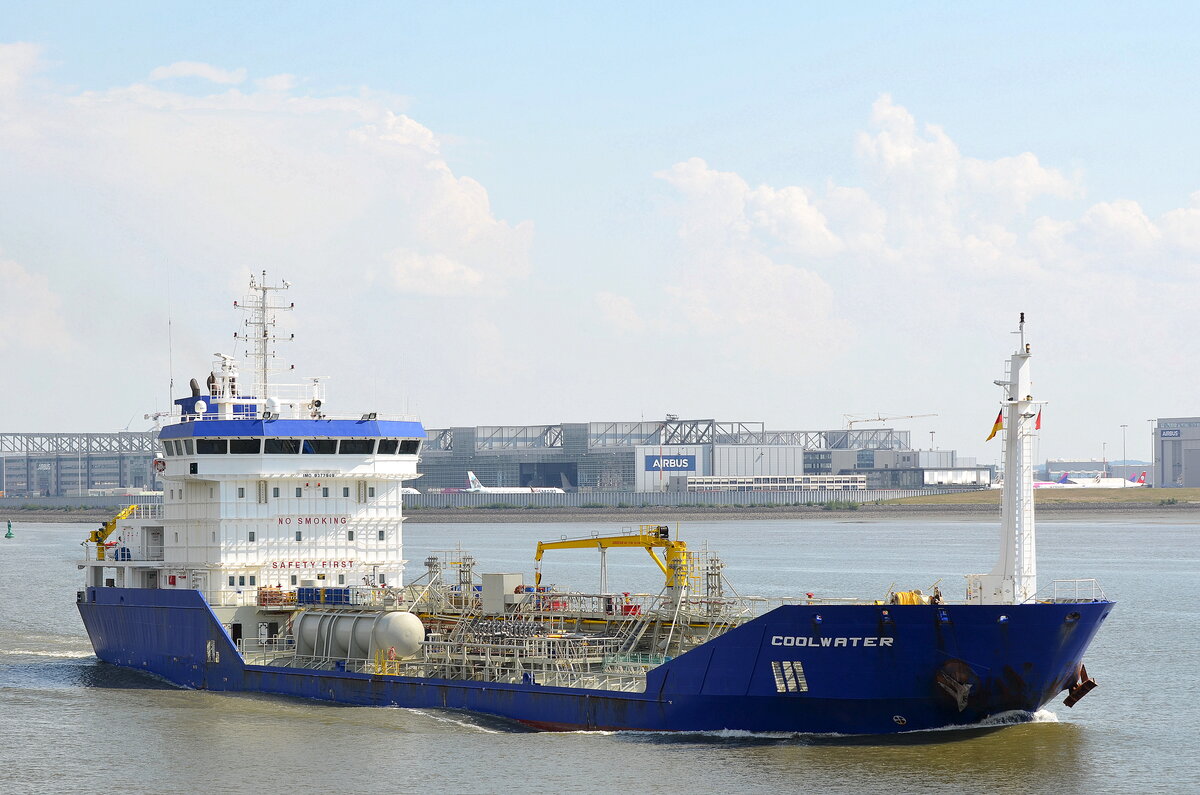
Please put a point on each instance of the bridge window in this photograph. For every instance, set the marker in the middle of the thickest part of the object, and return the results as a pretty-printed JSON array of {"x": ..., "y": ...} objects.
[
  {"x": 410, "y": 446},
  {"x": 357, "y": 446},
  {"x": 283, "y": 446},
  {"x": 212, "y": 446},
  {"x": 319, "y": 446},
  {"x": 245, "y": 446},
  {"x": 388, "y": 446},
  {"x": 187, "y": 446}
]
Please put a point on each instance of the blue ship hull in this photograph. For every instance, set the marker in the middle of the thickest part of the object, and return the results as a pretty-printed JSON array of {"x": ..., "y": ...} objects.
[{"x": 866, "y": 669}]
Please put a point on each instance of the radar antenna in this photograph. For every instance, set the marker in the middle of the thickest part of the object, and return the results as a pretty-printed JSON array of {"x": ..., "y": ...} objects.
[{"x": 261, "y": 329}]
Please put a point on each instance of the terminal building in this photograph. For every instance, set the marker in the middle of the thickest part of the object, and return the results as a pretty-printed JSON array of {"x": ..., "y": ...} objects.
[
  {"x": 1175, "y": 442},
  {"x": 77, "y": 464},
  {"x": 654, "y": 456}
]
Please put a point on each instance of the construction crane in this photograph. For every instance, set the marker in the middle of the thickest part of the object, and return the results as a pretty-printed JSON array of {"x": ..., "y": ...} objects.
[
  {"x": 850, "y": 423},
  {"x": 98, "y": 537},
  {"x": 649, "y": 537}
]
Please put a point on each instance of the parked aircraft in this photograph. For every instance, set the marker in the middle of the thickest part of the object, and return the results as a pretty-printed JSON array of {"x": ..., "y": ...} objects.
[{"x": 477, "y": 487}]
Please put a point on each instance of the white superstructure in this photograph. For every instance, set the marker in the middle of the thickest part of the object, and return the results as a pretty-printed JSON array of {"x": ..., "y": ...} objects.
[{"x": 265, "y": 488}]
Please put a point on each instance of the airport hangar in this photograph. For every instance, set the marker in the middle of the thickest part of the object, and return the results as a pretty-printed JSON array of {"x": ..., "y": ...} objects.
[
  {"x": 653, "y": 456},
  {"x": 77, "y": 464}
]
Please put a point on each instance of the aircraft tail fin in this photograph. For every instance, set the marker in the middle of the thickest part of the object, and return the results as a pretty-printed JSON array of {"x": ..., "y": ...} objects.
[
  {"x": 1064, "y": 478},
  {"x": 473, "y": 482},
  {"x": 1142, "y": 480}
]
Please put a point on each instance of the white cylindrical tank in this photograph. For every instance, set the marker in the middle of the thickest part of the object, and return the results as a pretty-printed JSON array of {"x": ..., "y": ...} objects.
[
  {"x": 357, "y": 635},
  {"x": 403, "y": 632}
]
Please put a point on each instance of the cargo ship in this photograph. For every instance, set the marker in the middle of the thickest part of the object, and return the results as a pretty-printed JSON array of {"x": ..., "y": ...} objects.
[{"x": 274, "y": 565}]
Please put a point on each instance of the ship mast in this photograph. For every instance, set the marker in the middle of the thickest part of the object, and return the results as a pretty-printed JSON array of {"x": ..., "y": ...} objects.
[
  {"x": 261, "y": 334},
  {"x": 1013, "y": 580}
]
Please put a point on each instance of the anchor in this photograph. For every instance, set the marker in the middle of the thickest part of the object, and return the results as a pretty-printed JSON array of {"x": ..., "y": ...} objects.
[{"x": 1084, "y": 684}]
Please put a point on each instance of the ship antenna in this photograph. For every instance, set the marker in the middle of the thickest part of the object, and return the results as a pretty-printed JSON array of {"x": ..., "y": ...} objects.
[{"x": 261, "y": 325}]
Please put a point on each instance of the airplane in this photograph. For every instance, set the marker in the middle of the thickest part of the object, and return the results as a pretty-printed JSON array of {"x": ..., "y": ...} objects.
[
  {"x": 1097, "y": 482},
  {"x": 478, "y": 487},
  {"x": 1063, "y": 481}
]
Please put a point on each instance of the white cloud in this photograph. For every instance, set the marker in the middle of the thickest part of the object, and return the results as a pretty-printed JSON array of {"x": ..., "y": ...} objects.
[
  {"x": 619, "y": 312},
  {"x": 203, "y": 71},
  {"x": 282, "y": 82},
  {"x": 34, "y": 322},
  {"x": 17, "y": 62},
  {"x": 343, "y": 194}
]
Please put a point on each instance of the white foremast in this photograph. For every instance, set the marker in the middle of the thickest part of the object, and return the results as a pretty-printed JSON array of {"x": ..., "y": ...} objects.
[{"x": 1013, "y": 580}]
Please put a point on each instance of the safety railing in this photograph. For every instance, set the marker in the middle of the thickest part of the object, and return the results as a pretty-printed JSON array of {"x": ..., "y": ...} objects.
[{"x": 1066, "y": 591}]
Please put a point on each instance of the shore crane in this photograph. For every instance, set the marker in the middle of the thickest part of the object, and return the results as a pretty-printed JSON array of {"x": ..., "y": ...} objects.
[{"x": 850, "y": 423}]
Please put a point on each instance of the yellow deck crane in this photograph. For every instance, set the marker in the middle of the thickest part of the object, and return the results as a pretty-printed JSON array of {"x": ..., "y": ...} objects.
[
  {"x": 98, "y": 537},
  {"x": 649, "y": 537}
]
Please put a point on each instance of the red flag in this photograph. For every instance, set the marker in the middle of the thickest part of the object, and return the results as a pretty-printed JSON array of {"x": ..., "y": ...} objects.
[{"x": 1037, "y": 426}]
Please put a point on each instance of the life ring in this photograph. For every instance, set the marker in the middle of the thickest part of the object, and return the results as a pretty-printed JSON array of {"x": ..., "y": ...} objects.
[
  {"x": 160, "y": 465},
  {"x": 391, "y": 653}
]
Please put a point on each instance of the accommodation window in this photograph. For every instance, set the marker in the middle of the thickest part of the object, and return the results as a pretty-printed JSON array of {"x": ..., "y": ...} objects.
[
  {"x": 241, "y": 492},
  {"x": 210, "y": 492},
  {"x": 177, "y": 538},
  {"x": 299, "y": 535},
  {"x": 349, "y": 535},
  {"x": 253, "y": 536},
  {"x": 380, "y": 535},
  {"x": 231, "y": 579},
  {"x": 370, "y": 491},
  {"x": 324, "y": 491},
  {"x": 388, "y": 446},
  {"x": 341, "y": 579},
  {"x": 283, "y": 446},
  {"x": 242, "y": 580},
  {"x": 252, "y": 579},
  {"x": 274, "y": 491},
  {"x": 297, "y": 491},
  {"x": 293, "y": 579},
  {"x": 345, "y": 491},
  {"x": 383, "y": 579}
]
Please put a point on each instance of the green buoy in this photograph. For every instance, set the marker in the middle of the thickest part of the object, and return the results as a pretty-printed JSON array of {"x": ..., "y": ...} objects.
[{"x": 9, "y": 533}]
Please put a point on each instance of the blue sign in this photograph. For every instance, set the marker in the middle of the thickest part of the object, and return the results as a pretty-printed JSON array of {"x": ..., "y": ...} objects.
[
  {"x": 1168, "y": 434},
  {"x": 670, "y": 463}
]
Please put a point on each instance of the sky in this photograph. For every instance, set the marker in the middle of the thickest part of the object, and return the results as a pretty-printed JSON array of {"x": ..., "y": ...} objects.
[{"x": 533, "y": 213}]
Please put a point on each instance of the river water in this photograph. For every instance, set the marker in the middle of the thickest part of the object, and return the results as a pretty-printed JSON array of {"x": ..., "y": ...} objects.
[{"x": 71, "y": 724}]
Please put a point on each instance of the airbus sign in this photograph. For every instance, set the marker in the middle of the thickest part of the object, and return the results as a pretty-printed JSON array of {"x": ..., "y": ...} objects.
[{"x": 670, "y": 463}]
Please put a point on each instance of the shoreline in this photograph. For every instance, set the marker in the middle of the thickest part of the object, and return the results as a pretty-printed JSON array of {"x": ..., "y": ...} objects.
[{"x": 961, "y": 511}]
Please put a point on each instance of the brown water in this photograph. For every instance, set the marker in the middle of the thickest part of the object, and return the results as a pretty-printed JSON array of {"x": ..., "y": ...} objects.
[{"x": 71, "y": 724}]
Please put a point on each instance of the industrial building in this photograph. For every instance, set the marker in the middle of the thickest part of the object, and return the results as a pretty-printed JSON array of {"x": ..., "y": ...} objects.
[
  {"x": 77, "y": 464},
  {"x": 644, "y": 456},
  {"x": 1175, "y": 442}
]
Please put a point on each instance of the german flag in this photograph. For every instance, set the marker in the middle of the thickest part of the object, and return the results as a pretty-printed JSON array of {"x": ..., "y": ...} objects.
[{"x": 997, "y": 427}]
